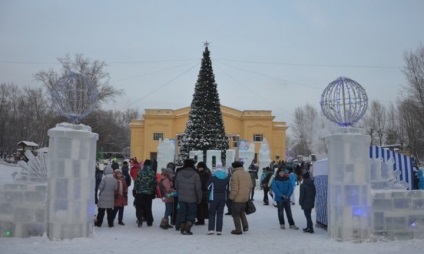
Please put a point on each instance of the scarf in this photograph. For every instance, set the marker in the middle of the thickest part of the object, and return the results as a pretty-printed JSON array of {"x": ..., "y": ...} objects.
[{"x": 120, "y": 187}]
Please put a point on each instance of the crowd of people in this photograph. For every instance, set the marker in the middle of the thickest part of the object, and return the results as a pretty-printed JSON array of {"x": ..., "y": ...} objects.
[{"x": 192, "y": 193}]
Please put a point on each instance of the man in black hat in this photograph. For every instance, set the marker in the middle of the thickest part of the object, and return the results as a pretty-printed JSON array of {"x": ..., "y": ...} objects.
[
  {"x": 189, "y": 189},
  {"x": 307, "y": 200}
]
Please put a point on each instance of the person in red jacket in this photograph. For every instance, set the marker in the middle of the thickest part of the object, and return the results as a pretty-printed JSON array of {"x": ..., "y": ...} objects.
[{"x": 135, "y": 167}]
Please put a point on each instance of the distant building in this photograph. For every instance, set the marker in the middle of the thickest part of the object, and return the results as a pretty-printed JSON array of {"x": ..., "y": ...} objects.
[
  {"x": 24, "y": 146},
  {"x": 249, "y": 125}
]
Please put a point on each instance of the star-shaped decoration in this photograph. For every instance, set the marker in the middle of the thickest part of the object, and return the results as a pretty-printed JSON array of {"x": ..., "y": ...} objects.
[{"x": 206, "y": 44}]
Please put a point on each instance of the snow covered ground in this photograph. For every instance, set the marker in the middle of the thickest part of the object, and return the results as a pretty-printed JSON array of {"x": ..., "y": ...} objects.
[{"x": 264, "y": 236}]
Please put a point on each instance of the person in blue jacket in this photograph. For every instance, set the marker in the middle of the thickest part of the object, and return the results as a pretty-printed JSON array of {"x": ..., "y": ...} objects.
[
  {"x": 283, "y": 189},
  {"x": 218, "y": 186}
]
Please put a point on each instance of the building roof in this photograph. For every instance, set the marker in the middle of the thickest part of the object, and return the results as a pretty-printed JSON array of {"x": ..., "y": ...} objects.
[{"x": 27, "y": 143}]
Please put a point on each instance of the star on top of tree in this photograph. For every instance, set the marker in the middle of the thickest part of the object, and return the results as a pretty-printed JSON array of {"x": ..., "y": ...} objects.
[{"x": 206, "y": 43}]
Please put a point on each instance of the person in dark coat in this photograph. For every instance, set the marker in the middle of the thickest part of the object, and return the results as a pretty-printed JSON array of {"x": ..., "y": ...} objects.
[
  {"x": 307, "y": 200},
  {"x": 99, "y": 176},
  {"x": 203, "y": 207},
  {"x": 267, "y": 173},
  {"x": 125, "y": 172},
  {"x": 253, "y": 172},
  {"x": 106, "y": 201},
  {"x": 144, "y": 192},
  {"x": 115, "y": 164},
  {"x": 189, "y": 191},
  {"x": 218, "y": 188}
]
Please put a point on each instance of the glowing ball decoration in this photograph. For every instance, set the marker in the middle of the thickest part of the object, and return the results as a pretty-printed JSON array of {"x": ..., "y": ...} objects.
[
  {"x": 344, "y": 101},
  {"x": 74, "y": 96}
]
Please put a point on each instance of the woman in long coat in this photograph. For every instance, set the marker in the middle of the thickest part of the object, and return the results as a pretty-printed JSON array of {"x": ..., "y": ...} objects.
[
  {"x": 203, "y": 207},
  {"x": 121, "y": 196},
  {"x": 307, "y": 200},
  {"x": 106, "y": 201}
]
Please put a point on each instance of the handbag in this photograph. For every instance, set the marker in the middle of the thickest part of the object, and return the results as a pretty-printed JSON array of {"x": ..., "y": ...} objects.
[{"x": 250, "y": 207}]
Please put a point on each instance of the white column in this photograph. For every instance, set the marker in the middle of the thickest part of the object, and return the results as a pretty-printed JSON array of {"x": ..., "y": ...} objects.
[
  {"x": 349, "y": 185},
  {"x": 71, "y": 181},
  {"x": 210, "y": 154}
]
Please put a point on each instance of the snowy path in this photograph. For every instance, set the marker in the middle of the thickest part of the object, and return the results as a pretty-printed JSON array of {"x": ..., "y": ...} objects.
[{"x": 264, "y": 236}]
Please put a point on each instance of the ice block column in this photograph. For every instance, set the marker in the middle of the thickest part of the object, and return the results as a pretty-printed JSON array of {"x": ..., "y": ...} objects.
[
  {"x": 349, "y": 185},
  {"x": 209, "y": 158},
  {"x": 230, "y": 156},
  {"x": 71, "y": 181},
  {"x": 264, "y": 158},
  {"x": 166, "y": 153}
]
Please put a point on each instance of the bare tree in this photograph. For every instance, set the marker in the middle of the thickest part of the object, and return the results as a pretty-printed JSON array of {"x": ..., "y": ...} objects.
[
  {"x": 414, "y": 73},
  {"x": 412, "y": 127},
  {"x": 303, "y": 129},
  {"x": 394, "y": 130},
  {"x": 378, "y": 112},
  {"x": 411, "y": 107},
  {"x": 93, "y": 70},
  {"x": 371, "y": 122}
]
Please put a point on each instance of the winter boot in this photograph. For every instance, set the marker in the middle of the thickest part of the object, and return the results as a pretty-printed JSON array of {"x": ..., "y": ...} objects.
[
  {"x": 182, "y": 228},
  {"x": 167, "y": 223},
  {"x": 164, "y": 223},
  {"x": 237, "y": 224},
  {"x": 187, "y": 230}
]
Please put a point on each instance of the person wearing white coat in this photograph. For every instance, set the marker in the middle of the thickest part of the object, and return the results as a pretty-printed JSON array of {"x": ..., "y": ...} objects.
[{"x": 106, "y": 201}]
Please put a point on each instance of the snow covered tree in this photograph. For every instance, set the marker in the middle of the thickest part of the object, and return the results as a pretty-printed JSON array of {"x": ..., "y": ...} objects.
[{"x": 205, "y": 127}]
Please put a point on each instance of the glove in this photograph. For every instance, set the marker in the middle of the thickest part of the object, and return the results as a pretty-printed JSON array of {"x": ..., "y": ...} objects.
[
  {"x": 285, "y": 197},
  {"x": 172, "y": 194}
]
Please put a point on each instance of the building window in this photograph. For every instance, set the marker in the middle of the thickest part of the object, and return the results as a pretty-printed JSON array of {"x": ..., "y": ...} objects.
[
  {"x": 258, "y": 137},
  {"x": 157, "y": 136},
  {"x": 235, "y": 141}
]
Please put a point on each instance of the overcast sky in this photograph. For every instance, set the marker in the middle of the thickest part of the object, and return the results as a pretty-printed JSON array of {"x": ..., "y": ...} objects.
[{"x": 269, "y": 55}]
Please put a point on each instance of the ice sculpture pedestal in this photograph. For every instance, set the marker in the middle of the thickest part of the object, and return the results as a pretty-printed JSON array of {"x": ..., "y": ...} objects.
[
  {"x": 349, "y": 185},
  {"x": 71, "y": 182}
]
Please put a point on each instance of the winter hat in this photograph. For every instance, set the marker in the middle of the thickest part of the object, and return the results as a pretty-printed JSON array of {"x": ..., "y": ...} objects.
[
  {"x": 237, "y": 164},
  {"x": 108, "y": 170},
  {"x": 201, "y": 164},
  {"x": 147, "y": 163},
  {"x": 167, "y": 171},
  {"x": 189, "y": 163}
]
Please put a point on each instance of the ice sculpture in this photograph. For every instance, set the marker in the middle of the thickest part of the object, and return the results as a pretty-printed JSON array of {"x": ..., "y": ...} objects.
[
  {"x": 349, "y": 181},
  {"x": 209, "y": 158},
  {"x": 166, "y": 153},
  {"x": 35, "y": 170},
  {"x": 71, "y": 183},
  {"x": 384, "y": 177},
  {"x": 230, "y": 156},
  {"x": 196, "y": 155},
  {"x": 246, "y": 153},
  {"x": 264, "y": 156}
]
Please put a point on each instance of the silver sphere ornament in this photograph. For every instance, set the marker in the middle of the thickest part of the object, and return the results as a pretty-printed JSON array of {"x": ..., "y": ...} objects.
[
  {"x": 74, "y": 96},
  {"x": 344, "y": 101}
]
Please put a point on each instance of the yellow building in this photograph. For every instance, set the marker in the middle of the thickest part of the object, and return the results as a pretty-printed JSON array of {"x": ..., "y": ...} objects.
[{"x": 249, "y": 125}]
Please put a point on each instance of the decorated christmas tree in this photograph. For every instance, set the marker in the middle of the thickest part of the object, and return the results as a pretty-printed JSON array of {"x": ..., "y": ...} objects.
[{"x": 205, "y": 127}]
